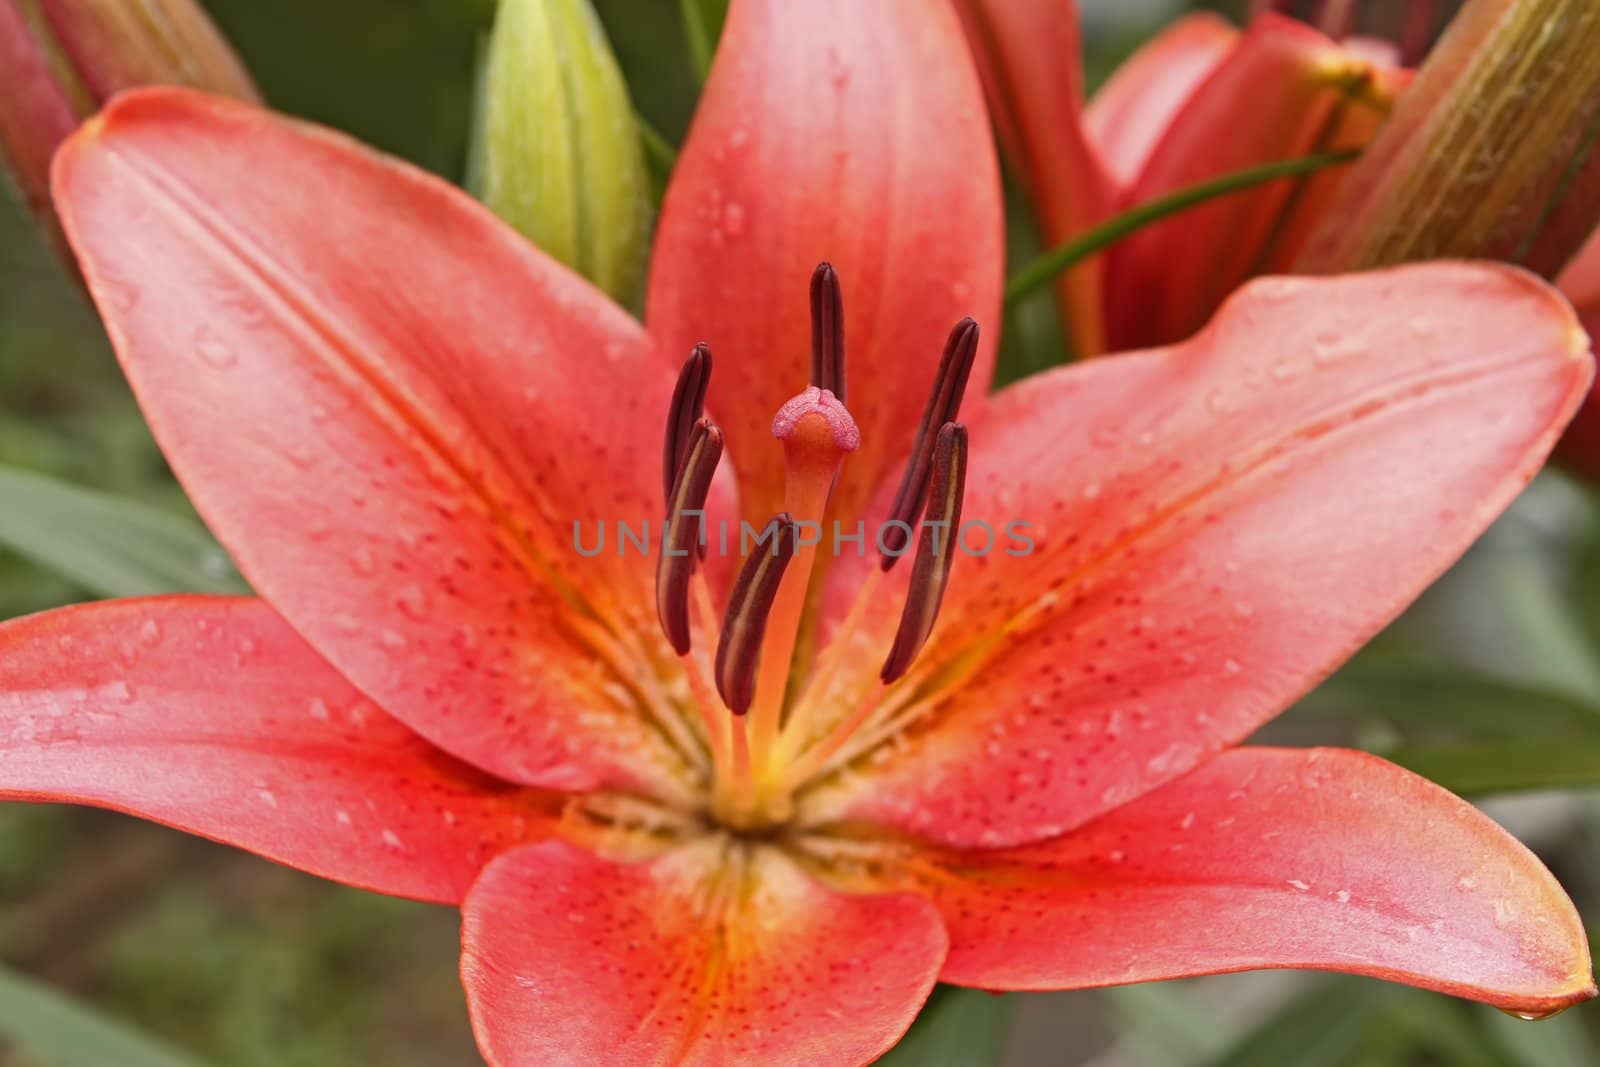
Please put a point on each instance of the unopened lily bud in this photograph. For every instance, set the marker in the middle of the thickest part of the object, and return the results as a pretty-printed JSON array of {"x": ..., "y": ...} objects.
[
  {"x": 61, "y": 59},
  {"x": 1489, "y": 154},
  {"x": 559, "y": 156},
  {"x": 1284, "y": 90}
]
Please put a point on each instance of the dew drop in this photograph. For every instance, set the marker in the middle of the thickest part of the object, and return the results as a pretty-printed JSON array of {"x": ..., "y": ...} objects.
[
  {"x": 212, "y": 349},
  {"x": 1331, "y": 349},
  {"x": 1218, "y": 402},
  {"x": 733, "y": 220}
]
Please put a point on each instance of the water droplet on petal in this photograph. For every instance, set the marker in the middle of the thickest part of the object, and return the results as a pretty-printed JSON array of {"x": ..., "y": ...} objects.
[{"x": 213, "y": 349}]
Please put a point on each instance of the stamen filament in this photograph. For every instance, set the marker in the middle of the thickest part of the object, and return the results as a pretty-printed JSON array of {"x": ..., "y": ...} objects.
[
  {"x": 712, "y": 715},
  {"x": 813, "y": 760},
  {"x": 817, "y": 433},
  {"x": 822, "y": 679},
  {"x": 944, "y": 404},
  {"x": 930, "y": 573},
  {"x": 743, "y": 787}
]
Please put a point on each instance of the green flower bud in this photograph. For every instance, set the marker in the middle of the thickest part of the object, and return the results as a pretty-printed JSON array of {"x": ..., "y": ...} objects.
[{"x": 559, "y": 155}]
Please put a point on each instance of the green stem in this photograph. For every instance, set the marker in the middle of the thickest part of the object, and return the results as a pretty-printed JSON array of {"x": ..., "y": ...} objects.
[
  {"x": 1040, "y": 272},
  {"x": 658, "y": 151},
  {"x": 698, "y": 34}
]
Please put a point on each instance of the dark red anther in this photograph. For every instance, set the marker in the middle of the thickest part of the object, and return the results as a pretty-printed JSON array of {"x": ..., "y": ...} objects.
[
  {"x": 827, "y": 331},
  {"x": 688, "y": 404},
  {"x": 744, "y": 626},
  {"x": 683, "y": 536},
  {"x": 930, "y": 572},
  {"x": 944, "y": 404}
]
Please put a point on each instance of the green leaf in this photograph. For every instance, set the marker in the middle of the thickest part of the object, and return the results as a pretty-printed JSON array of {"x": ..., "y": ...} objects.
[
  {"x": 560, "y": 156},
  {"x": 1042, "y": 271},
  {"x": 109, "y": 545},
  {"x": 702, "y": 26},
  {"x": 958, "y": 1028},
  {"x": 1504, "y": 766},
  {"x": 1163, "y": 1028},
  {"x": 1319, "y": 1028},
  {"x": 1428, "y": 1023},
  {"x": 1559, "y": 1042},
  {"x": 57, "y": 1032},
  {"x": 1429, "y": 695}
]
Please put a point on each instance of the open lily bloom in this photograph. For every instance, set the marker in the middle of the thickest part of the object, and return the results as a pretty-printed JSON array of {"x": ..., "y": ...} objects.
[
  {"x": 396, "y": 415},
  {"x": 1167, "y": 118}
]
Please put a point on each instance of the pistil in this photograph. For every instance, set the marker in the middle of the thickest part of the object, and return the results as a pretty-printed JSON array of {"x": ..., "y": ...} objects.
[{"x": 817, "y": 432}]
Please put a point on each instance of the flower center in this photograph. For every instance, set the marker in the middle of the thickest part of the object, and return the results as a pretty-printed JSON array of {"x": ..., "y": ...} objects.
[{"x": 756, "y": 701}]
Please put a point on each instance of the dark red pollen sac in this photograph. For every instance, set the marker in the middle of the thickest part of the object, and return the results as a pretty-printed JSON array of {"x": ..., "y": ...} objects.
[
  {"x": 688, "y": 405},
  {"x": 682, "y": 540},
  {"x": 930, "y": 571},
  {"x": 944, "y": 404},
  {"x": 744, "y": 626},
  {"x": 827, "y": 331}
]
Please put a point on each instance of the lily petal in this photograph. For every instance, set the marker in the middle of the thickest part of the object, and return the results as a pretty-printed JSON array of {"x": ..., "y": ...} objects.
[
  {"x": 1580, "y": 282},
  {"x": 211, "y": 715},
  {"x": 1296, "y": 87},
  {"x": 703, "y": 956},
  {"x": 1214, "y": 527},
  {"x": 393, "y": 411},
  {"x": 1131, "y": 112},
  {"x": 1030, "y": 56},
  {"x": 840, "y": 131},
  {"x": 1264, "y": 858}
]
